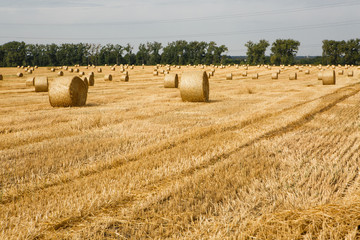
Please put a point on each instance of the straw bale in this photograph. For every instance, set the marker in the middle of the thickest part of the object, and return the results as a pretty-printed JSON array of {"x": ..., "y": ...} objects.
[
  {"x": 41, "y": 84},
  {"x": 329, "y": 77},
  {"x": 67, "y": 91},
  {"x": 194, "y": 86},
  {"x": 171, "y": 80}
]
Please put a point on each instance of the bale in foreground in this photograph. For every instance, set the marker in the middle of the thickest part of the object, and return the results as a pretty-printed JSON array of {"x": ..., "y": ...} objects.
[
  {"x": 171, "y": 80},
  {"x": 194, "y": 86},
  {"x": 67, "y": 92}
]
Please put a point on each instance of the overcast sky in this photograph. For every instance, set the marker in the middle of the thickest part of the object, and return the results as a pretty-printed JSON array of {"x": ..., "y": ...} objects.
[{"x": 228, "y": 22}]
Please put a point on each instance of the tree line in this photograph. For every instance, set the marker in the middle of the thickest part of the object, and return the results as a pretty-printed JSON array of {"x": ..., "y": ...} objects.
[
  {"x": 178, "y": 52},
  {"x": 181, "y": 52}
]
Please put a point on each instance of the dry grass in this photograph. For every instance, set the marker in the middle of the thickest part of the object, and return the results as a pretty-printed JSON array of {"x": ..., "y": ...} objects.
[{"x": 265, "y": 159}]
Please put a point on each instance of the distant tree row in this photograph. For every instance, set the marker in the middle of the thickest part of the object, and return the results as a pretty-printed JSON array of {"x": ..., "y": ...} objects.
[
  {"x": 181, "y": 52},
  {"x": 283, "y": 51},
  {"x": 178, "y": 52},
  {"x": 341, "y": 52}
]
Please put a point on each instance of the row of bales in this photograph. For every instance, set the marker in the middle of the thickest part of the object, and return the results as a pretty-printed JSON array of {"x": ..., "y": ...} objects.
[{"x": 65, "y": 91}]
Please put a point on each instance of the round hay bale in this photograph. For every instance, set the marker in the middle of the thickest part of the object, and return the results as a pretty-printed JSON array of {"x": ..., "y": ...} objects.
[
  {"x": 255, "y": 76},
  {"x": 76, "y": 70},
  {"x": 71, "y": 70},
  {"x": 320, "y": 75},
  {"x": 194, "y": 86},
  {"x": 52, "y": 69},
  {"x": 108, "y": 77},
  {"x": 60, "y": 73},
  {"x": 1, "y": 77},
  {"x": 350, "y": 73},
  {"x": 329, "y": 77},
  {"x": 307, "y": 72},
  {"x": 85, "y": 80},
  {"x": 113, "y": 69},
  {"x": 67, "y": 92},
  {"x": 171, "y": 81},
  {"x": 19, "y": 74},
  {"x": 244, "y": 74},
  {"x": 155, "y": 73},
  {"x": 30, "y": 81},
  {"x": 99, "y": 70},
  {"x": 91, "y": 79},
  {"x": 341, "y": 72},
  {"x": 274, "y": 75},
  {"x": 81, "y": 73},
  {"x": 124, "y": 78},
  {"x": 293, "y": 76},
  {"x": 229, "y": 76},
  {"x": 41, "y": 84}
]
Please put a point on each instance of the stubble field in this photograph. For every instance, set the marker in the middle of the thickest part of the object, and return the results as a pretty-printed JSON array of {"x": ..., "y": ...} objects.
[{"x": 264, "y": 159}]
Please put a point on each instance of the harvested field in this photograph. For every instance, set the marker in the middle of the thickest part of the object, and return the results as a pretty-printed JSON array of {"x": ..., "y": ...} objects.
[{"x": 263, "y": 159}]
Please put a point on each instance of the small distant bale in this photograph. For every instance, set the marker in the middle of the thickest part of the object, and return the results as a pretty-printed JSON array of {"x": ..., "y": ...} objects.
[
  {"x": 76, "y": 70},
  {"x": 329, "y": 77},
  {"x": 71, "y": 70},
  {"x": 244, "y": 74},
  {"x": 52, "y": 69},
  {"x": 229, "y": 76},
  {"x": 274, "y": 75},
  {"x": 255, "y": 76},
  {"x": 99, "y": 70},
  {"x": 293, "y": 76},
  {"x": 124, "y": 78},
  {"x": 19, "y": 74},
  {"x": 67, "y": 92},
  {"x": 30, "y": 71},
  {"x": 113, "y": 69},
  {"x": 41, "y": 84},
  {"x": 81, "y": 73},
  {"x": 341, "y": 72},
  {"x": 30, "y": 81},
  {"x": 350, "y": 73},
  {"x": 108, "y": 77},
  {"x": 155, "y": 73},
  {"x": 60, "y": 73},
  {"x": 91, "y": 79},
  {"x": 1, "y": 77},
  {"x": 307, "y": 72},
  {"x": 171, "y": 80},
  {"x": 194, "y": 86}
]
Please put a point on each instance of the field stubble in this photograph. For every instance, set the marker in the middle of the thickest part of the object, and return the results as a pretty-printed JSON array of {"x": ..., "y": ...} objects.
[{"x": 264, "y": 158}]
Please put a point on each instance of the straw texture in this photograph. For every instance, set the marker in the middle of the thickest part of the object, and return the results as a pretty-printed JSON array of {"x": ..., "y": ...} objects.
[
  {"x": 67, "y": 92},
  {"x": 171, "y": 80},
  {"x": 194, "y": 86},
  {"x": 41, "y": 84},
  {"x": 329, "y": 77}
]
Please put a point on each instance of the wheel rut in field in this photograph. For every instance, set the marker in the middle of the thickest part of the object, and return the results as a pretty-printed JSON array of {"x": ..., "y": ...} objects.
[
  {"x": 157, "y": 148},
  {"x": 326, "y": 103}
]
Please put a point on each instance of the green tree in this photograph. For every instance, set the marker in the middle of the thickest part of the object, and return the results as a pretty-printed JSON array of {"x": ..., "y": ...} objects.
[
  {"x": 14, "y": 53},
  {"x": 351, "y": 50},
  {"x": 142, "y": 55},
  {"x": 256, "y": 52},
  {"x": 333, "y": 51},
  {"x": 283, "y": 51},
  {"x": 154, "y": 51}
]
